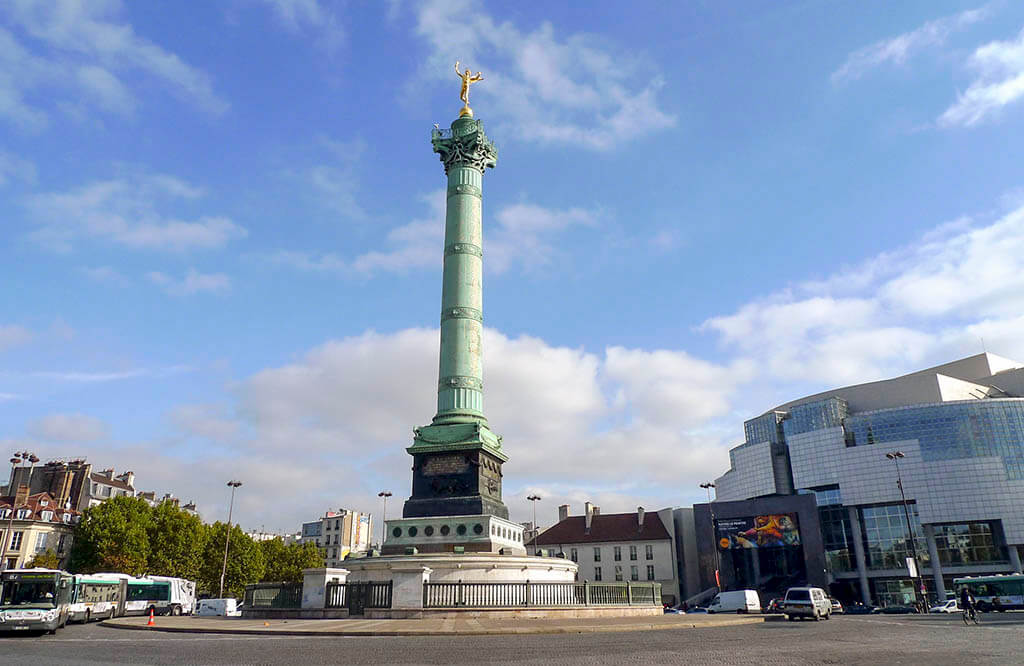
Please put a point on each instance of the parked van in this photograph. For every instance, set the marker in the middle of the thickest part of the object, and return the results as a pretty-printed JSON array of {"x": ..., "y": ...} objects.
[
  {"x": 737, "y": 601},
  {"x": 221, "y": 607},
  {"x": 807, "y": 602}
]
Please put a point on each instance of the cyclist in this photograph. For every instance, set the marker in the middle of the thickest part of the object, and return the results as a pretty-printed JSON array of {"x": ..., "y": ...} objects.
[{"x": 967, "y": 602}]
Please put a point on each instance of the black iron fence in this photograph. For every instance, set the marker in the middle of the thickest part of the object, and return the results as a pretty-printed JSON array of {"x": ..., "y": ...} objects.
[
  {"x": 358, "y": 596},
  {"x": 511, "y": 595},
  {"x": 273, "y": 595}
]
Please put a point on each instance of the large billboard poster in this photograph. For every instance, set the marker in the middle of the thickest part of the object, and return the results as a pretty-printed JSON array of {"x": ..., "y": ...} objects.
[{"x": 777, "y": 529}]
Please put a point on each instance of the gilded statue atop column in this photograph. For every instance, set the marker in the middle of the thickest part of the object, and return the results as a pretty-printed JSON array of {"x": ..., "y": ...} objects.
[{"x": 468, "y": 78}]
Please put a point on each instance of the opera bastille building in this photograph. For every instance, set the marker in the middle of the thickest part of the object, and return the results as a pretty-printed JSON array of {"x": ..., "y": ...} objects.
[{"x": 814, "y": 474}]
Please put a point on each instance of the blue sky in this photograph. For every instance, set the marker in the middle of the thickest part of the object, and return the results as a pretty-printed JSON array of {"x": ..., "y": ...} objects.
[{"x": 222, "y": 231}]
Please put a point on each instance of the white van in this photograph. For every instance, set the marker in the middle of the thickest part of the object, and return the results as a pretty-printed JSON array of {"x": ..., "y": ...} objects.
[
  {"x": 737, "y": 601},
  {"x": 219, "y": 607},
  {"x": 807, "y": 602}
]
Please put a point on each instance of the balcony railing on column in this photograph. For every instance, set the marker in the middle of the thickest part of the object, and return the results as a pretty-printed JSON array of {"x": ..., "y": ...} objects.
[{"x": 528, "y": 594}]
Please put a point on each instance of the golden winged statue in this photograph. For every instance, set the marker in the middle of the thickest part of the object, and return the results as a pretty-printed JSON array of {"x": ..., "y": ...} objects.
[{"x": 467, "y": 78}]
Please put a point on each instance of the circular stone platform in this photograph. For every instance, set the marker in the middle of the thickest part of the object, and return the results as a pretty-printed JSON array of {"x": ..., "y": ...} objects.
[{"x": 466, "y": 567}]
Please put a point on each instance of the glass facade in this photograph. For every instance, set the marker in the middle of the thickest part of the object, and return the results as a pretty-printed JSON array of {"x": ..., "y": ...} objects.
[
  {"x": 949, "y": 431},
  {"x": 837, "y": 538},
  {"x": 828, "y": 413},
  {"x": 764, "y": 428},
  {"x": 886, "y": 541},
  {"x": 967, "y": 543}
]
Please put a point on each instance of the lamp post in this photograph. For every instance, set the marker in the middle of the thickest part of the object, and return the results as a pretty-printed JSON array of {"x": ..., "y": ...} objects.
[
  {"x": 227, "y": 537},
  {"x": 16, "y": 459},
  {"x": 895, "y": 457},
  {"x": 707, "y": 485},
  {"x": 384, "y": 517},
  {"x": 536, "y": 532}
]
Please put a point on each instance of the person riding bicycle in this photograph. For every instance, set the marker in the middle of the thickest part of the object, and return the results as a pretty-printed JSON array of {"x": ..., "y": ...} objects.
[{"x": 967, "y": 601}]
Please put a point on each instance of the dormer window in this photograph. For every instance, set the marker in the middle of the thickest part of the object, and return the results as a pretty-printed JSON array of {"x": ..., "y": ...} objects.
[
  {"x": 5, "y": 513},
  {"x": 22, "y": 514},
  {"x": 46, "y": 516},
  {"x": 67, "y": 518},
  {"x": 44, "y": 502}
]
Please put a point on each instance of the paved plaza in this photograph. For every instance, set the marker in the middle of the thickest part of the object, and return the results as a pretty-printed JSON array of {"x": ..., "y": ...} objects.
[{"x": 874, "y": 640}]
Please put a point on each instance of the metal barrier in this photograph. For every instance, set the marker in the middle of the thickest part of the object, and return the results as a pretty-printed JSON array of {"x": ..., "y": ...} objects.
[
  {"x": 512, "y": 595},
  {"x": 357, "y": 597},
  {"x": 273, "y": 595}
]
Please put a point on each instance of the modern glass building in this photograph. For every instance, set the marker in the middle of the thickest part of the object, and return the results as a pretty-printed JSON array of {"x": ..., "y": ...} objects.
[{"x": 960, "y": 430}]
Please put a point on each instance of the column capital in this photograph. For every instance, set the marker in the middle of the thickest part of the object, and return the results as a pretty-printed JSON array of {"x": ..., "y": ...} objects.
[{"x": 465, "y": 145}]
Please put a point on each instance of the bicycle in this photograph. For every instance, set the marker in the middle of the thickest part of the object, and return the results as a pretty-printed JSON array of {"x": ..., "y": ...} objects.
[{"x": 970, "y": 615}]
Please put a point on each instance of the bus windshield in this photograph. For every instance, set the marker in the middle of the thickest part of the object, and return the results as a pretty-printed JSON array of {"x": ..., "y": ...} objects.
[{"x": 29, "y": 593}]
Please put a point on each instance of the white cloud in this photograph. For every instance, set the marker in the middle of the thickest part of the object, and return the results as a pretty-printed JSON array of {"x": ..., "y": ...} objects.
[
  {"x": 124, "y": 211},
  {"x": 193, "y": 282},
  {"x": 897, "y": 49},
  {"x": 68, "y": 428},
  {"x": 12, "y": 335},
  {"x": 207, "y": 421},
  {"x": 13, "y": 167},
  {"x": 299, "y": 16},
  {"x": 999, "y": 83},
  {"x": 90, "y": 51},
  {"x": 544, "y": 87},
  {"x": 520, "y": 234}
]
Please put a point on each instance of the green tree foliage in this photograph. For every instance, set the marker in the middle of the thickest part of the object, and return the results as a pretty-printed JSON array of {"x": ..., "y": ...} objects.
[
  {"x": 113, "y": 536},
  {"x": 46, "y": 560},
  {"x": 177, "y": 540},
  {"x": 245, "y": 561},
  {"x": 284, "y": 564}
]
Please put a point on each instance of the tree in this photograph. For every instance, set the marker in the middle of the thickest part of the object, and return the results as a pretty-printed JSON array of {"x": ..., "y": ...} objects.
[
  {"x": 45, "y": 560},
  {"x": 177, "y": 540},
  {"x": 113, "y": 536},
  {"x": 245, "y": 561},
  {"x": 284, "y": 564}
]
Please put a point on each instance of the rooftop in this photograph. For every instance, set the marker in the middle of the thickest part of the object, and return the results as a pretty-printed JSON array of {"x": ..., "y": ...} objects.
[{"x": 604, "y": 527}]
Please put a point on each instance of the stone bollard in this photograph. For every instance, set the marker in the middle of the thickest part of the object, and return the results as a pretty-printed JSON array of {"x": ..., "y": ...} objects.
[{"x": 314, "y": 585}]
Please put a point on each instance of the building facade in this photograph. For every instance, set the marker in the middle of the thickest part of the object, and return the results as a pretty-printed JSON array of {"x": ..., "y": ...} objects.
[
  {"x": 617, "y": 547},
  {"x": 39, "y": 524},
  {"x": 955, "y": 435},
  {"x": 339, "y": 533}
]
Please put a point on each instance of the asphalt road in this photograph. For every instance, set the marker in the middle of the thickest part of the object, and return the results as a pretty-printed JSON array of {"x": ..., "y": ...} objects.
[{"x": 875, "y": 640}]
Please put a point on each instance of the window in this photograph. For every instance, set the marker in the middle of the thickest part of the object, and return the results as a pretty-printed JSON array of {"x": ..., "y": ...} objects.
[
  {"x": 650, "y": 572},
  {"x": 327, "y": 525},
  {"x": 336, "y": 524},
  {"x": 649, "y": 552},
  {"x": 597, "y": 555},
  {"x": 106, "y": 491},
  {"x": 67, "y": 518},
  {"x": 967, "y": 543},
  {"x": 16, "y": 540},
  {"x": 46, "y": 516},
  {"x": 632, "y": 553},
  {"x": 884, "y": 529},
  {"x": 574, "y": 555},
  {"x": 618, "y": 553},
  {"x": 597, "y": 573},
  {"x": 44, "y": 502},
  {"x": 61, "y": 542},
  {"x": 5, "y": 513},
  {"x": 618, "y": 573},
  {"x": 22, "y": 514},
  {"x": 634, "y": 573},
  {"x": 40, "y": 541}
]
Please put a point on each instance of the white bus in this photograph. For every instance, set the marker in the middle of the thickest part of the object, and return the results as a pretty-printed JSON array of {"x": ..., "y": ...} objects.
[
  {"x": 96, "y": 597},
  {"x": 34, "y": 599},
  {"x": 163, "y": 594},
  {"x": 998, "y": 592}
]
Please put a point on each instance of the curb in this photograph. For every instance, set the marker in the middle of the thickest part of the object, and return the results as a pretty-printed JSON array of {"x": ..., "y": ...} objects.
[{"x": 495, "y": 631}]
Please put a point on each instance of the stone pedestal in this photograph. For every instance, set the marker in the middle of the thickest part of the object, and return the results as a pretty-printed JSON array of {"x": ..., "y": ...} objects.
[
  {"x": 314, "y": 585},
  {"x": 407, "y": 585}
]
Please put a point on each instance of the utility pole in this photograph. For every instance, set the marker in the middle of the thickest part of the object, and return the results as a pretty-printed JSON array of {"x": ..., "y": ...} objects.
[
  {"x": 918, "y": 593},
  {"x": 536, "y": 530},
  {"x": 707, "y": 485},
  {"x": 227, "y": 537}
]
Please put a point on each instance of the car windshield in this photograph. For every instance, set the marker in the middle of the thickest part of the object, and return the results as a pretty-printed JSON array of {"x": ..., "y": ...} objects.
[
  {"x": 19, "y": 593},
  {"x": 798, "y": 595}
]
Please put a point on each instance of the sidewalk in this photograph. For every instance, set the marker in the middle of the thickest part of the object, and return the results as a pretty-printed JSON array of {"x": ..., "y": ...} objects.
[{"x": 426, "y": 627}]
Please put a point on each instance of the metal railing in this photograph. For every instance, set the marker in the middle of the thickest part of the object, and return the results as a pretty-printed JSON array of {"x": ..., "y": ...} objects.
[
  {"x": 511, "y": 595},
  {"x": 358, "y": 595},
  {"x": 273, "y": 595}
]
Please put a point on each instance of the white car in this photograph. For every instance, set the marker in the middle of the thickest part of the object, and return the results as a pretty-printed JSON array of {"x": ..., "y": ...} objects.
[{"x": 949, "y": 606}]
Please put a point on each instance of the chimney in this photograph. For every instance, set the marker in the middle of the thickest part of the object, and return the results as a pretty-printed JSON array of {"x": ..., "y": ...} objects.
[
  {"x": 21, "y": 497},
  {"x": 563, "y": 512},
  {"x": 588, "y": 512},
  {"x": 109, "y": 473},
  {"x": 640, "y": 518},
  {"x": 597, "y": 510},
  {"x": 128, "y": 478}
]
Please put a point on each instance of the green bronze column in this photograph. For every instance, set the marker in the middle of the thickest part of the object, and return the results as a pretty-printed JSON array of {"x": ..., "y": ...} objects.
[{"x": 457, "y": 458}]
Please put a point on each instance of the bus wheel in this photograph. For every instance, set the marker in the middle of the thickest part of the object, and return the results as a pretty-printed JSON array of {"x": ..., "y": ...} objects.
[{"x": 175, "y": 611}]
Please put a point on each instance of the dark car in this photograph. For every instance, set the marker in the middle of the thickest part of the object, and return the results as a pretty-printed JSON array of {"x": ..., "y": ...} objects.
[
  {"x": 899, "y": 610},
  {"x": 860, "y": 609},
  {"x": 774, "y": 606}
]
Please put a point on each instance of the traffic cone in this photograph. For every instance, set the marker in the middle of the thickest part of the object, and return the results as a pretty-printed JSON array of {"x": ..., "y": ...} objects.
[{"x": 151, "y": 623}]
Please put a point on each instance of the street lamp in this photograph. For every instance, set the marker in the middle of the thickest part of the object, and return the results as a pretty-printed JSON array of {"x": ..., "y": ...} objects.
[
  {"x": 18, "y": 458},
  {"x": 384, "y": 517},
  {"x": 707, "y": 485},
  {"x": 895, "y": 457},
  {"x": 536, "y": 532},
  {"x": 227, "y": 537}
]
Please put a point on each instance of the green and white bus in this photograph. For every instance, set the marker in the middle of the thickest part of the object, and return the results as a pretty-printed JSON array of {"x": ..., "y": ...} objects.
[
  {"x": 163, "y": 595},
  {"x": 97, "y": 598},
  {"x": 998, "y": 592},
  {"x": 34, "y": 599}
]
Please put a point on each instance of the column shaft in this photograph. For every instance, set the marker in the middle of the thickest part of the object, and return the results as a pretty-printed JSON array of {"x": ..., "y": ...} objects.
[{"x": 858, "y": 555}]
